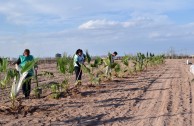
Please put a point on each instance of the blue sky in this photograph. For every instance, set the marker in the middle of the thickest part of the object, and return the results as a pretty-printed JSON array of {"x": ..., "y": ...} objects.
[{"x": 48, "y": 27}]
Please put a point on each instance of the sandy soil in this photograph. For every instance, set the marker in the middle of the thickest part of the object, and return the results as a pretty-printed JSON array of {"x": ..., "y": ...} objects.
[{"x": 161, "y": 96}]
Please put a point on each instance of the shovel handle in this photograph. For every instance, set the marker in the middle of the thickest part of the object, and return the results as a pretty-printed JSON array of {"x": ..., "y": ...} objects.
[{"x": 36, "y": 76}]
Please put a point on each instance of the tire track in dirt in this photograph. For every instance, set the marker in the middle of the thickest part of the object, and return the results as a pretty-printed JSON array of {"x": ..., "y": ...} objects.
[
  {"x": 179, "y": 98},
  {"x": 181, "y": 114},
  {"x": 191, "y": 103},
  {"x": 187, "y": 94},
  {"x": 175, "y": 104},
  {"x": 170, "y": 106},
  {"x": 154, "y": 105}
]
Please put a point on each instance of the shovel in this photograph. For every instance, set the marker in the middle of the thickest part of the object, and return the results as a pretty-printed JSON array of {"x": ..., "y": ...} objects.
[{"x": 38, "y": 90}]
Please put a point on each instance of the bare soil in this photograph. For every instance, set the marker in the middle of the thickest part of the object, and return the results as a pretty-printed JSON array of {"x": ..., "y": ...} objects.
[{"x": 160, "y": 96}]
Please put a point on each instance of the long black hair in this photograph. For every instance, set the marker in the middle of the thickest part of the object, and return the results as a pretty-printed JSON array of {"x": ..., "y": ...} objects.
[{"x": 78, "y": 51}]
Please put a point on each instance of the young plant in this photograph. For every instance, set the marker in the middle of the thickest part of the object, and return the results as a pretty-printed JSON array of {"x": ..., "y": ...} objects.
[
  {"x": 109, "y": 65},
  {"x": 159, "y": 59},
  {"x": 55, "y": 91},
  {"x": 139, "y": 62},
  {"x": 127, "y": 68},
  {"x": 19, "y": 79},
  {"x": 6, "y": 72},
  {"x": 38, "y": 89},
  {"x": 149, "y": 59},
  {"x": 119, "y": 72},
  {"x": 66, "y": 67},
  {"x": 93, "y": 69},
  {"x": 155, "y": 60},
  {"x": 11, "y": 75},
  {"x": 88, "y": 57}
]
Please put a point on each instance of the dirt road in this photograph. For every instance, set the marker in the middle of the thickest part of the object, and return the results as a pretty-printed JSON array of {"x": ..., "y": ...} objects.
[
  {"x": 158, "y": 97},
  {"x": 169, "y": 100}
]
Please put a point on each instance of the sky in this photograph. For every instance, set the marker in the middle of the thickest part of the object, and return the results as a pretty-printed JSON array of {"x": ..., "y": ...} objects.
[{"x": 47, "y": 27}]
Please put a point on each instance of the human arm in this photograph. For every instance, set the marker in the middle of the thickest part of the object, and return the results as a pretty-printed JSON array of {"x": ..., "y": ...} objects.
[
  {"x": 17, "y": 62},
  {"x": 76, "y": 61}
]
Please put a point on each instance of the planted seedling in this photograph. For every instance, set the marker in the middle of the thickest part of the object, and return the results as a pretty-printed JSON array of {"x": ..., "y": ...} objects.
[
  {"x": 66, "y": 67},
  {"x": 93, "y": 69},
  {"x": 121, "y": 72},
  {"x": 11, "y": 75},
  {"x": 109, "y": 65},
  {"x": 38, "y": 89},
  {"x": 55, "y": 91},
  {"x": 19, "y": 80}
]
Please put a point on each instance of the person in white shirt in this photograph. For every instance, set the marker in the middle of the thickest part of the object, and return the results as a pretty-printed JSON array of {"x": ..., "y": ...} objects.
[
  {"x": 114, "y": 56},
  {"x": 108, "y": 69},
  {"x": 79, "y": 59}
]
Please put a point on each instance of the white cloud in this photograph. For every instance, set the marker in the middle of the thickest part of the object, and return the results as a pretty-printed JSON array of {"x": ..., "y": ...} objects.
[
  {"x": 96, "y": 24},
  {"x": 138, "y": 20}
]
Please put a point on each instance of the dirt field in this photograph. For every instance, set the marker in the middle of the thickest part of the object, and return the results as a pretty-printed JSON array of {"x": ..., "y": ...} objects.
[{"x": 161, "y": 96}]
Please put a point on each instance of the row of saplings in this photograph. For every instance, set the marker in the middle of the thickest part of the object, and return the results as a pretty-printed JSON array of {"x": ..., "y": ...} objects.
[
  {"x": 97, "y": 70},
  {"x": 100, "y": 69}
]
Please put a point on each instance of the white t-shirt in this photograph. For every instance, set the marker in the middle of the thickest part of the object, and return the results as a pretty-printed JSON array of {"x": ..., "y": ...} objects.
[{"x": 79, "y": 59}]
